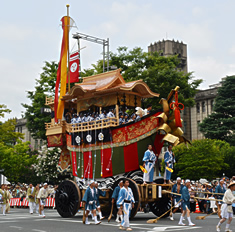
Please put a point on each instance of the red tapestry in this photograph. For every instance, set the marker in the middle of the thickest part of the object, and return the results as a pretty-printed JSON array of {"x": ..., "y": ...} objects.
[
  {"x": 107, "y": 169},
  {"x": 131, "y": 157},
  {"x": 55, "y": 140}
]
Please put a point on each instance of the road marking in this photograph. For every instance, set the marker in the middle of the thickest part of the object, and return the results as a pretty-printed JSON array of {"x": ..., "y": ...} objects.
[
  {"x": 134, "y": 227},
  {"x": 38, "y": 230},
  {"x": 17, "y": 227},
  {"x": 7, "y": 221}
]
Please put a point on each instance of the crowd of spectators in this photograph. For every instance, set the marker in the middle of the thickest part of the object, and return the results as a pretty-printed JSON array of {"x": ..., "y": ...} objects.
[
  {"x": 20, "y": 190},
  {"x": 207, "y": 191}
]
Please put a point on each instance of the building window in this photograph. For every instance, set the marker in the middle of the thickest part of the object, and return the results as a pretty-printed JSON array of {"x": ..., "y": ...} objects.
[
  {"x": 40, "y": 144},
  {"x": 212, "y": 105},
  {"x": 198, "y": 107},
  {"x": 203, "y": 107},
  {"x": 198, "y": 131},
  {"x": 36, "y": 144},
  {"x": 185, "y": 127}
]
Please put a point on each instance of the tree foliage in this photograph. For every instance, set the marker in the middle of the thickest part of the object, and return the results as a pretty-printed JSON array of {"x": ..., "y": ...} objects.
[
  {"x": 45, "y": 86},
  {"x": 221, "y": 123},
  {"x": 16, "y": 158},
  {"x": 17, "y": 162},
  {"x": 160, "y": 73},
  {"x": 204, "y": 159}
]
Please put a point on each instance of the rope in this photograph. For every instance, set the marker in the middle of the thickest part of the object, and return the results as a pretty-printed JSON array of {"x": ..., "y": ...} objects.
[
  {"x": 199, "y": 198},
  {"x": 207, "y": 193}
]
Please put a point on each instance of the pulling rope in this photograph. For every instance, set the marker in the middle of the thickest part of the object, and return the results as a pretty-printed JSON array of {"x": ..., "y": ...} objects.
[{"x": 199, "y": 198}]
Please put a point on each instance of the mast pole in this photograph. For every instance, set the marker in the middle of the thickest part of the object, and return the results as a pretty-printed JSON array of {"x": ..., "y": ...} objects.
[{"x": 68, "y": 21}]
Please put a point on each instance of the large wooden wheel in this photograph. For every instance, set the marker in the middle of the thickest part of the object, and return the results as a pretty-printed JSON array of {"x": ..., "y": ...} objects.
[
  {"x": 67, "y": 199},
  {"x": 160, "y": 206},
  {"x": 136, "y": 193}
]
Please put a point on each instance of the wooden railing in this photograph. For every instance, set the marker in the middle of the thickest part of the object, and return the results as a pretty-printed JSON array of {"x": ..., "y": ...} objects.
[
  {"x": 49, "y": 100},
  {"x": 52, "y": 124},
  {"x": 92, "y": 125}
]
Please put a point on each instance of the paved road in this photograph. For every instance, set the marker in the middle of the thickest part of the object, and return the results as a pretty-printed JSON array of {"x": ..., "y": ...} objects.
[{"x": 21, "y": 220}]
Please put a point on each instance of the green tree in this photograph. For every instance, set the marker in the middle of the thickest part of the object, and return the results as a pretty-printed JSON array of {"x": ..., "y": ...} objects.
[
  {"x": 160, "y": 73},
  {"x": 8, "y": 136},
  {"x": 45, "y": 86},
  {"x": 221, "y": 123},
  {"x": 203, "y": 159},
  {"x": 17, "y": 162},
  {"x": 15, "y": 156}
]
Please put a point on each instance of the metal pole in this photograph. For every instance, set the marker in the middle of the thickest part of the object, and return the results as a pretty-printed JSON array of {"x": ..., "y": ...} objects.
[
  {"x": 108, "y": 54},
  {"x": 103, "y": 56},
  {"x": 68, "y": 25}
]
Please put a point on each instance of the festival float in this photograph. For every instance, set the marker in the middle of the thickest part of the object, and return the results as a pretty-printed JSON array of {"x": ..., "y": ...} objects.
[{"x": 104, "y": 150}]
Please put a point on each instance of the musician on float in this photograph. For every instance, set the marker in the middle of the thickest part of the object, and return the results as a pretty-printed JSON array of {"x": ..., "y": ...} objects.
[
  {"x": 149, "y": 163},
  {"x": 169, "y": 159}
]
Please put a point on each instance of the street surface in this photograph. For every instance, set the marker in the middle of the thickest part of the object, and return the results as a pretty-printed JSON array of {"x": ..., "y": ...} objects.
[{"x": 21, "y": 220}]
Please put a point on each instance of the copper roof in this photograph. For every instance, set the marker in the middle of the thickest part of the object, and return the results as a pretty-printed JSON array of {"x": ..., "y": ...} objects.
[{"x": 109, "y": 82}]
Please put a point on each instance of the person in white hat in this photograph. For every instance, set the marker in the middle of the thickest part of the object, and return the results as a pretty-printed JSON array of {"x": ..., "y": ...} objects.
[
  {"x": 226, "y": 209},
  {"x": 89, "y": 202},
  {"x": 31, "y": 192},
  {"x": 177, "y": 188},
  {"x": 42, "y": 196},
  {"x": 185, "y": 196}
]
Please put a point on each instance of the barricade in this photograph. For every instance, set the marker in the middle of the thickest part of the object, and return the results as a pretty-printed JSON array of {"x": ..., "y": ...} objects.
[{"x": 16, "y": 202}]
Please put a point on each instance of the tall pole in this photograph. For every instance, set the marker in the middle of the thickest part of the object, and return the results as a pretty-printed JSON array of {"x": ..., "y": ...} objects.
[
  {"x": 68, "y": 20},
  {"x": 108, "y": 54},
  {"x": 103, "y": 56}
]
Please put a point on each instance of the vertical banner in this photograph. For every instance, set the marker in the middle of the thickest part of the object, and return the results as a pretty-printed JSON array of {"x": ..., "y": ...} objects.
[
  {"x": 74, "y": 163},
  {"x": 87, "y": 160},
  {"x": 74, "y": 67}
]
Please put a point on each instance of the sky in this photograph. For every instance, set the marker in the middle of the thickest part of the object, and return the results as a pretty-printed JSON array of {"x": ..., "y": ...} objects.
[{"x": 31, "y": 33}]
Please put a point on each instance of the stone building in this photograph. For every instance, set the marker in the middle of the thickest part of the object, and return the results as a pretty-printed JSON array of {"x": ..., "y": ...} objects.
[
  {"x": 204, "y": 99},
  {"x": 203, "y": 108},
  {"x": 169, "y": 48},
  {"x": 36, "y": 144}
]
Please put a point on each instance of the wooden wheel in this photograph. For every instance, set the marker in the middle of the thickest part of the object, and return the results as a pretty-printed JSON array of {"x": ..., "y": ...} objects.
[
  {"x": 67, "y": 198},
  {"x": 160, "y": 206},
  {"x": 136, "y": 193}
]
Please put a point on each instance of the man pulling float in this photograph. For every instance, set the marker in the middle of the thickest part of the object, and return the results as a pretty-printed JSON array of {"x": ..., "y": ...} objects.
[
  {"x": 126, "y": 201},
  {"x": 98, "y": 193},
  {"x": 177, "y": 188},
  {"x": 89, "y": 203},
  {"x": 186, "y": 204},
  {"x": 115, "y": 198}
]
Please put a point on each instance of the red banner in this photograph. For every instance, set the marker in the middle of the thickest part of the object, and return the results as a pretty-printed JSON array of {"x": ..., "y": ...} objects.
[
  {"x": 107, "y": 168},
  {"x": 131, "y": 157},
  {"x": 74, "y": 163},
  {"x": 74, "y": 67},
  {"x": 87, "y": 160}
]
